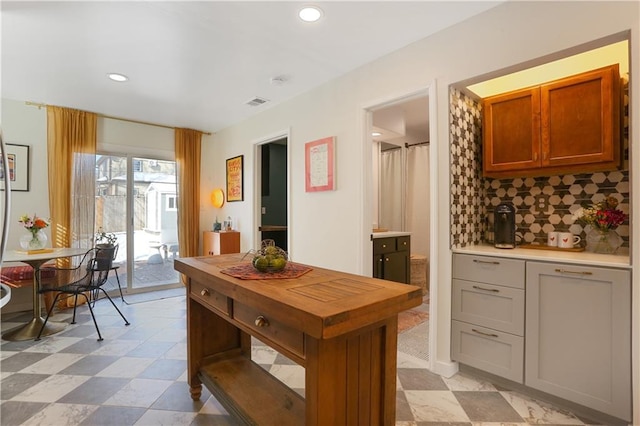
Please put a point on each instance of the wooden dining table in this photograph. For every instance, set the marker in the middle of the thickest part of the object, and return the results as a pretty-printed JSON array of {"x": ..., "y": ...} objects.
[{"x": 36, "y": 260}]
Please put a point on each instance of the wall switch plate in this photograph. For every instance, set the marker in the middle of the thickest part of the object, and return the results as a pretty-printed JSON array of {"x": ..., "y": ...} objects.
[{"x": 264, "y": 210}]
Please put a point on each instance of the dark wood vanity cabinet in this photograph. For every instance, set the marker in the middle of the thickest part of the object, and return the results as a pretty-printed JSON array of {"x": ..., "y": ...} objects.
[
  {"x": 570, "y": 125},
  {"x": 391, "y": 257}
]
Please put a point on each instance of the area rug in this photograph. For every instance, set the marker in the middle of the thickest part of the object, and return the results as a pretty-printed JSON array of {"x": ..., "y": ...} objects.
[{"x": 411, "y": 318}]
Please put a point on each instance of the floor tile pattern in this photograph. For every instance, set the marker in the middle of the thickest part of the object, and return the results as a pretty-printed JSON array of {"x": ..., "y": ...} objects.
[{"x": 137, "y": 376}]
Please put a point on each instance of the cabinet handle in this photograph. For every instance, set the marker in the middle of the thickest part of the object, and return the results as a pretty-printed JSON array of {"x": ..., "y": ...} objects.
[
  {"x": 535, "y": 156},
  {"x": 486, "y": 289},
  {"x": 493, "y": 262},
  {"x": 564, "y": 271},
  {"x": 384, "y": 246},
  {"x": 386, "y": 259},
  {"x": 261, "y": 321},
  {"x": 404, "y": 243},
  {"x": 204, "y": 292},
  {"x": 483, "y": 333},
  {"x": 380, "y": 260}
]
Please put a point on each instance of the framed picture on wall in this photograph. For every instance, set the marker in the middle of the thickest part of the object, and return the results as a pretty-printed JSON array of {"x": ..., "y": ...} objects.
[
  {"x": 235, "y": 187},
  {"x": 18, "y": 173},
  {"x": 319, "y": 159}
]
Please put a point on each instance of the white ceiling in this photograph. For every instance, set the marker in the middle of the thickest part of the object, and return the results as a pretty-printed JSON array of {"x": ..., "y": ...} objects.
[{"x": 196, "y": 64}]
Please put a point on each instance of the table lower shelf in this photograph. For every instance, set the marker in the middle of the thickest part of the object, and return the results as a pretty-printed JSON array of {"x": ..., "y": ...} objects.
[{"x": 251, "y": 394}]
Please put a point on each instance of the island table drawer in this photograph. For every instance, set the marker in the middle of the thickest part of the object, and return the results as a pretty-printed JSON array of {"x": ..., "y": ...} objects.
[
  {"x": 273, "y": 330},
  {"x": 209, "y": 297}
]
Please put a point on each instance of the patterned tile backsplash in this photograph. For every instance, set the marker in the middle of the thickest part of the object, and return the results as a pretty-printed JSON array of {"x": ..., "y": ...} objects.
[{"x": 543, "y": 204}]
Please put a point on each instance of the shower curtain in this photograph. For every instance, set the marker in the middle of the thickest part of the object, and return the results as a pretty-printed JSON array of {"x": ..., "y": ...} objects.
[
  {"x": 404, "y": 189},
  {"x": 417, "y": 204},
  {"x": 391, "y": 190}
]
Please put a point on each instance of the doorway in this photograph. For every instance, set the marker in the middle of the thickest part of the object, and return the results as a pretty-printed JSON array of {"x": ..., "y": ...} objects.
[
  {"x": 136, "y": 202},
  {"x": 403, "y": 128},
  {"x": 273, "y": 197}
]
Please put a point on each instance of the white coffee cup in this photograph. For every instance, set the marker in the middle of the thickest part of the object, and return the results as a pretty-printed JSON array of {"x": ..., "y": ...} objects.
[
  {"x": 568, "y": 240},
  {"x": 552, "y": 239}
]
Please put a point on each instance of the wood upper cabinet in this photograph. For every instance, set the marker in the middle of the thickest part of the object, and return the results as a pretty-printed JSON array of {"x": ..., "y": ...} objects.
[{"x": 570, "y": 125}]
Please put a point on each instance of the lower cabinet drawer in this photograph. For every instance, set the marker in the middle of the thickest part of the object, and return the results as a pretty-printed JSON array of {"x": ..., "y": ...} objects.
[
  {"x": 497, "y": 307},
  {"x": 210, "y": 297},
  {"x": 495, "y": 352},
  {"x": 275, "y": 331}
]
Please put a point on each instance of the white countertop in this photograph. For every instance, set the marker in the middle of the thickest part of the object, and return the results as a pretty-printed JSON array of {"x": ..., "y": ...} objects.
[
  {"x": 618, "y": 260},
  {"x": 386, "y": 234}
]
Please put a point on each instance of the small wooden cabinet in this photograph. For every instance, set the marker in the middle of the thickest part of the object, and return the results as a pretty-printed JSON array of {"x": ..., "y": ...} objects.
[
  {"x": 570, "y": 125},
  {"x": 391, "y": 258},
  {"x": 222, "y": 242}
]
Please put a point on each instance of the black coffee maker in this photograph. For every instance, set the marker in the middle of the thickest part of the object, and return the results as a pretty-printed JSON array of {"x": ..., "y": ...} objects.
[{"x": 504, "y": 226}]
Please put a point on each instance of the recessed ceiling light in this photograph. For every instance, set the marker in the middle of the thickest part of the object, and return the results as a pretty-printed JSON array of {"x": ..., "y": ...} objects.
[
  {"x": 117, "y": 77},
  {"x": 310, "y": 13},
  {"x": 376, "y": 134}
]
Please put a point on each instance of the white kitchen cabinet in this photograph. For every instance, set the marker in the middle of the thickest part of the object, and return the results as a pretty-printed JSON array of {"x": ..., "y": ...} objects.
[
  {"x": 488, "y": 314},
  {"x": 578, "y": 335}
]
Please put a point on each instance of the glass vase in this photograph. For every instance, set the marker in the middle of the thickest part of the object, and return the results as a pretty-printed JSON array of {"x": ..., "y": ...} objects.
[
  {"x": 606, "y": 241},
  {"x": 33, "y": 241}
]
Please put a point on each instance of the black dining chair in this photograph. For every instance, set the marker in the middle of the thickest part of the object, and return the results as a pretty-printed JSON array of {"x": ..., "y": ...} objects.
[
  {"x": 114, "y": 268},
  {"x": 85, "y": 280}
]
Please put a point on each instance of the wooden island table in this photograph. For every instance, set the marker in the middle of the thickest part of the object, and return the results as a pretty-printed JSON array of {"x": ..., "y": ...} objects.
[{"x": 342, "y": 328}]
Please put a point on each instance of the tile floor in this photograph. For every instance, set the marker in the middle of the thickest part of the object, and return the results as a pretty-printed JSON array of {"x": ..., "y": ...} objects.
[{"x": 137, "y": 376}]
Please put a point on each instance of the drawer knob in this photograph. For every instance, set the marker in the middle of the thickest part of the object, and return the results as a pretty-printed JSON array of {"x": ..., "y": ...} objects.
[
  {"x": 204, "y": 292},
  {"x": 261, "y": 321},
  {"x": 384, "y": 246}
]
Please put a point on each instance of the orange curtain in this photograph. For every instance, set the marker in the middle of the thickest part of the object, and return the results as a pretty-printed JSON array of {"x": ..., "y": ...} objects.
[
  {"x": 188, "y": 152},
  {"x": 71, "y": 152}
]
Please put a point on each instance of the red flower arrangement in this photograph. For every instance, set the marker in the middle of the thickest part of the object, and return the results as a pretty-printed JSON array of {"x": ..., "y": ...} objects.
[{"x": 603, "y": 215}]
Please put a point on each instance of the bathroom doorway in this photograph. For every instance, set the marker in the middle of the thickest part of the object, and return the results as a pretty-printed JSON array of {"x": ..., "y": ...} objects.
[{"x": 402, "y": 178}]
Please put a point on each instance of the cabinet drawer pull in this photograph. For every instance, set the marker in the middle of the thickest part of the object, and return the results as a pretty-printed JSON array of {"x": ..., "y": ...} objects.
[
  {"x": 204, "y": 292},
  {"x": 490, "y": 262},
  {"x": 564, "y": 271},
  {"x": 483, "y": 333},
  {"x": 386, "y": 259},
  {"x": 486, "y": 289},
  {"x": 384, "y": 246},
  {"x": 261, "y": 321}
]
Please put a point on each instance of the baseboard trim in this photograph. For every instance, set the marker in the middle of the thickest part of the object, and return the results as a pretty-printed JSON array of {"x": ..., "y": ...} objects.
[{"x": 445, "y": 369}]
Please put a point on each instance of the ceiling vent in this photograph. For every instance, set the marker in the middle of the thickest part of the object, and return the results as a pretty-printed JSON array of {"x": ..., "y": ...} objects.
[{"x": 257, "y": 101}]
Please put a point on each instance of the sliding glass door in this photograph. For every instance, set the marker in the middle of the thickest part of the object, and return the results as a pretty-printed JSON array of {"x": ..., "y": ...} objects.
[{"x": 136, "y": 200}]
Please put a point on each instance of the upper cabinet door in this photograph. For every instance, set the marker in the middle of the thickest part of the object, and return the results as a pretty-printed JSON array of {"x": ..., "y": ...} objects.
[
  {"x": 512, "y": 131},
  {"x": 581, "y": 120}
]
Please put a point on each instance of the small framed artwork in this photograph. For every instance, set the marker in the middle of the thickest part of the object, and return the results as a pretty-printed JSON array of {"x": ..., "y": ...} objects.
[
  {"x": 319, "y": 159},
  {"x": 235, "y": 189},
  {"x": 18, "y": 173}
]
